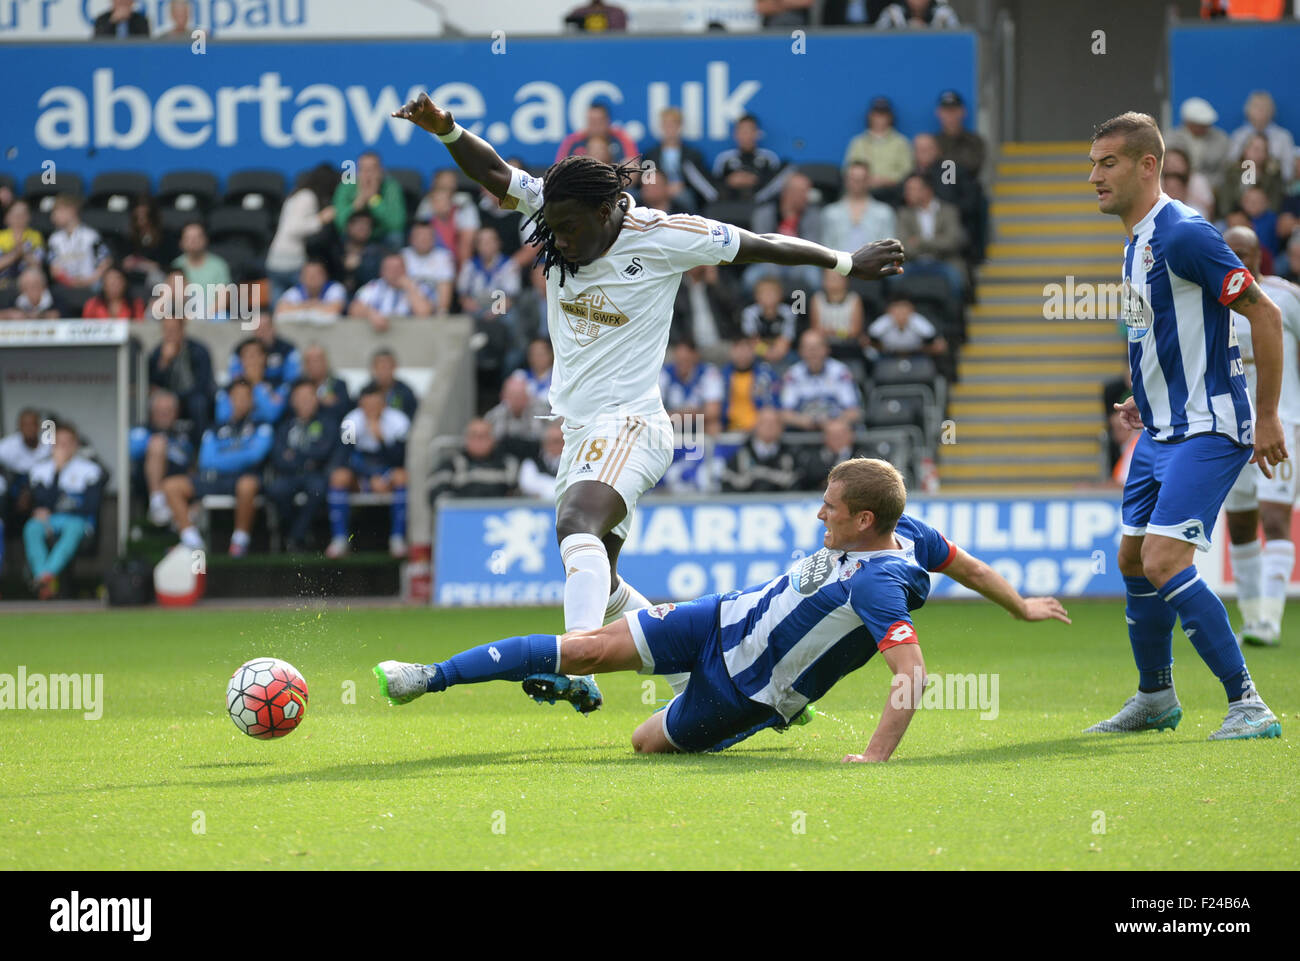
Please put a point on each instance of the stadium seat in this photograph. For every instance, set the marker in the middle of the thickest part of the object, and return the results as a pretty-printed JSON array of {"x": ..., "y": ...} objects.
[
  {"x": 896, "y": 412},
  {"x": 412, "y": 184},
  {"x": 254, "y": 226},
  {"x": 243, "y": 257},
  {"x": 897, "y": 445},
  {"x": 114, "y": 227},
  {"x": 827, "y": 178},
  {"x": 256, "y": 190},
  {"x": 192, "y": 192},
  {"x": 40, "y": 194},
  {"x": 41, "y": 220},
  {"x": 872, "y": 293},
  {"x": 904, "y": 370},
  {"x": 117, "y": 190},
  {"x": 922, "y": 286},
  {"x": 173, "y": 221},
  {"x": 931, "y": 398}
]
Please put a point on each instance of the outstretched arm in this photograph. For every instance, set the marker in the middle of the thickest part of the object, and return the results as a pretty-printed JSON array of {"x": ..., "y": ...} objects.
[
  {"x": 970, "y": 571},
  {"x": 472, "y": 153},
  {"x": 871, "y": 262},
  {"x": 907, "y": 683}
]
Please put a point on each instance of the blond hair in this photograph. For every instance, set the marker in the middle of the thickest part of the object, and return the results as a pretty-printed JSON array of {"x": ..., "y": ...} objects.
[{"x": 870, "y": 484}]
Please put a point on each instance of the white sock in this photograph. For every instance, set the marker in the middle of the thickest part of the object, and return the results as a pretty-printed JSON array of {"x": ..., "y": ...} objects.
[
  {"x": 1246, "y": 568},
  {"x": 586, "y": 584},
  {"x": 627, "y": 598},
  {"x": 190, "y": 538},
  {"x": 157, "y": 498},
  {"x": 239, "y": 537},
  {"x": 1279, "y": 559}
]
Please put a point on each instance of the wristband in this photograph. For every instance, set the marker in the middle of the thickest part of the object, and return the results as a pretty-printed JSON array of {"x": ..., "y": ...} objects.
[
  {"x": 843, "y": 263},
  {"x": 456, "y": 131}
]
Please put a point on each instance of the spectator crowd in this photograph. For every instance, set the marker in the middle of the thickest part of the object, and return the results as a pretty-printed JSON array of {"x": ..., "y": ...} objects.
[
  {"x": 762, "y": 350},
  {"x": 774, "y": 365}
]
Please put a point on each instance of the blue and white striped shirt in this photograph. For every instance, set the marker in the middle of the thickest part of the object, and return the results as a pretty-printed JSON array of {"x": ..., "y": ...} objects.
[
  {"x": 787, "y": 642},
  {"x": 1179, "y": 277}
]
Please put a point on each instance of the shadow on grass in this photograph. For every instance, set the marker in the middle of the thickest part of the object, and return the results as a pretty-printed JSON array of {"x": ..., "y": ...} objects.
[
  {"x": 758, "y": 757},
  {"x": 1064, "y": 748}
]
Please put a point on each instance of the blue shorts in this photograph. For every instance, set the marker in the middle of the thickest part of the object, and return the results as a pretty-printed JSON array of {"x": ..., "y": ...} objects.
[
  {"x": 681, "y": 638},
  {"x": 1176, "y": 489},
  {"x": 365, "y": 468}
]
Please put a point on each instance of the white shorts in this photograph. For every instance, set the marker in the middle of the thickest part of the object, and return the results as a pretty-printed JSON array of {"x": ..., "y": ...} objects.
[
  {"x": 629, "y": 453},
  {"x": 1252, "y": 486}
]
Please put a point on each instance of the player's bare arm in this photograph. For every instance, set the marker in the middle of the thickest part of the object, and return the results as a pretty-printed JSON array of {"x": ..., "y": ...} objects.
[
  {"x": 907, "y": 683},
  {"x": 1266, "y": 334},
  {"x": 971, "y": 572},
  {"x": 472, "y": 153},
  {"x": 883, "y": 258}
]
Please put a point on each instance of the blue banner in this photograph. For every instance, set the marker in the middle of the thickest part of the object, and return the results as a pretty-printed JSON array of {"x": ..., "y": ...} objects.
[
  {"x": 1225, "y": 63},
  {"x": 156, "y": 107},
  {"x": 504, "y": 552}
]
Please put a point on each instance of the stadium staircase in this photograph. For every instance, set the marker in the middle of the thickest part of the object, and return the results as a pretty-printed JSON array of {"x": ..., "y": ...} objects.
[{"x": 1027, "y": 406}]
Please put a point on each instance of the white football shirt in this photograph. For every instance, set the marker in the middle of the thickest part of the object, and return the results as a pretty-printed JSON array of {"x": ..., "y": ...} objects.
[
  {"x": 609, "y": 322},
  {"x": 1287, "y": 297}
]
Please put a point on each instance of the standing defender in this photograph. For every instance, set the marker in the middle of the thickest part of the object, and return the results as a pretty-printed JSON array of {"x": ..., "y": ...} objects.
[
  {"x": 612, "y": 272},
  {"x": 1191, "y": 402}
]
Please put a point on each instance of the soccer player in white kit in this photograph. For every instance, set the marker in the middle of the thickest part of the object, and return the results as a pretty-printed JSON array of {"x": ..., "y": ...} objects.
[
  {"x": 612, "y": 273},
  {"x": 1263, "y": 571}
]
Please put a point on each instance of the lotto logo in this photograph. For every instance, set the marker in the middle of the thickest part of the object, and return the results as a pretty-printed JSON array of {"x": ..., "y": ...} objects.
[
  {"x": 659, "y": 611},
  {"x": 1233, "y": 284},
  {"x": 900, "y": 632}
]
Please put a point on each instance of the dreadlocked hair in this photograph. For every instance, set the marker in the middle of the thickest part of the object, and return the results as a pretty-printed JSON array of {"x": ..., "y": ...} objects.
[{"x": 585, "y": 179}]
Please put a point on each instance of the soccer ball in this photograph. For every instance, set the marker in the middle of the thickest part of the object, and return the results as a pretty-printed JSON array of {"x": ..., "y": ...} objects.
[{"x": 266, "y": 697}]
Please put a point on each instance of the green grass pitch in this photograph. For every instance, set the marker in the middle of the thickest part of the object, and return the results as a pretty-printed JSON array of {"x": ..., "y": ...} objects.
[{"x": 481, "y": 777}]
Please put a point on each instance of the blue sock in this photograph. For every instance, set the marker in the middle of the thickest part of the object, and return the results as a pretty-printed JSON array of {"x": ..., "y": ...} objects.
[
  {"x": 340, "y": 512},
  {"x": 1151, "y": 634},
  {"x": 1205, "y": 621},
  {"x": 510, "y": 659},
  {"x": 399, "y": 511}
]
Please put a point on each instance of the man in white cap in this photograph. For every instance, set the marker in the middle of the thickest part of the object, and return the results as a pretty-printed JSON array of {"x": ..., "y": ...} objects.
[
  {"x": 1260, "y": 111},
  {"x": 1205, "y": 144}
]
